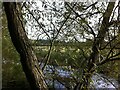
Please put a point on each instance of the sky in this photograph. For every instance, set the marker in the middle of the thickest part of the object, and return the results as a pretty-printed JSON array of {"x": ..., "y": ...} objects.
[{"x": 34, "y": 33}]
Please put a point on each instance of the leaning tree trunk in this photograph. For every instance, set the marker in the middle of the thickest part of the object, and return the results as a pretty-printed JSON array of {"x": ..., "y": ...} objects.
[
  {"x": 83, "y": 85},
  {"x": 28, "y": 59}
]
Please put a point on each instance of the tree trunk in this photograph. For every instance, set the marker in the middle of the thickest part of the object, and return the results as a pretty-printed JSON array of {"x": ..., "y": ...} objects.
[
  {"x": 83, "y": 85},
  {"x": 28, "y": 59}
]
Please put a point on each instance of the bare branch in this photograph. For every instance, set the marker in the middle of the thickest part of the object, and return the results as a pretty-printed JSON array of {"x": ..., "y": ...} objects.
[
  {"x": 77, "y": 15},
  {"x": 40, "y": 24},
  {"x": 108, "y": 60}
]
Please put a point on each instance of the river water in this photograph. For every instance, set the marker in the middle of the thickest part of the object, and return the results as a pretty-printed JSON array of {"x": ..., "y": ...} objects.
[{"x": 99, "y": 81}]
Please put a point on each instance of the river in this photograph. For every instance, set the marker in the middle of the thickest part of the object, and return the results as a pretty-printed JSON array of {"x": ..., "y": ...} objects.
[{"x": 99, "y": 81}]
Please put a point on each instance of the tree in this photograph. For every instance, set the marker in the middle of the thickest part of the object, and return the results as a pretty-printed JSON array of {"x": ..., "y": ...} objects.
[
  {"x": 28, "y": 59},
  {"x": 96, "y": 45},
  {"x": 74, "y": 22}
]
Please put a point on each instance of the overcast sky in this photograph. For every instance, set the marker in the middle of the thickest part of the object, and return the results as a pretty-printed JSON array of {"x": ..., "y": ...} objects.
[{"x": 33, "y": 34}]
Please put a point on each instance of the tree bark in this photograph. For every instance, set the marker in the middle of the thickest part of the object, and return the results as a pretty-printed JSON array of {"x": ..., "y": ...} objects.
[
  {"x": 101, "y": 34},
  {"x": 83, "y": 85},
  {"x": 20, "y": 40}
]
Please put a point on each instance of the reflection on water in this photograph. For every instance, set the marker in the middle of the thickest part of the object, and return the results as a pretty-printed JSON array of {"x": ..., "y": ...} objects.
[{"x": 99, "y": 81}]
